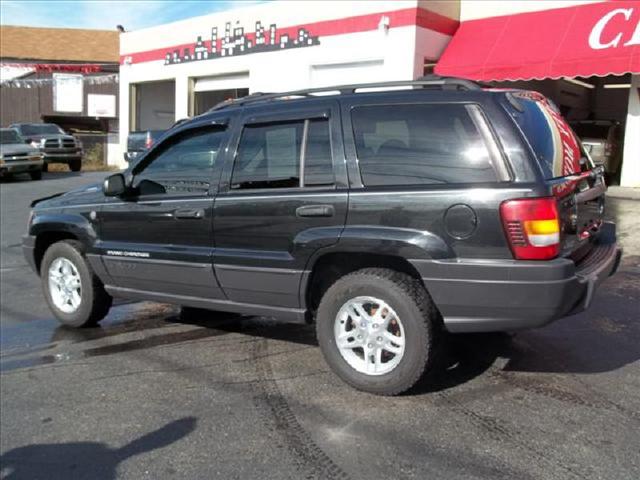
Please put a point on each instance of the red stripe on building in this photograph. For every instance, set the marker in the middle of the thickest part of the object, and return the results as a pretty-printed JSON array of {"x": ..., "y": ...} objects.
[{"x": 362, "y": 23}]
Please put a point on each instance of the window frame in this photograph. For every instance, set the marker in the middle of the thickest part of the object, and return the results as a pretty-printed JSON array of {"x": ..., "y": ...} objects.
[
  {"x": 476, "y": 114},
  {"x": 306, "y": 117}
]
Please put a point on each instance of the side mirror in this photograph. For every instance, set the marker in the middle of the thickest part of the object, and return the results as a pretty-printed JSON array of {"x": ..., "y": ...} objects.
[{"x": 114, "y": 185}]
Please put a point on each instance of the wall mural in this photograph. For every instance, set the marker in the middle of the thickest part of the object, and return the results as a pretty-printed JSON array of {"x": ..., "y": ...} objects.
[{"x": 237, "y": 42}]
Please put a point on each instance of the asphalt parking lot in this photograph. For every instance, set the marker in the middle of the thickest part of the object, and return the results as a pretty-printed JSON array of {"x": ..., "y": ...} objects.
[{"x": 152, "y": 395}]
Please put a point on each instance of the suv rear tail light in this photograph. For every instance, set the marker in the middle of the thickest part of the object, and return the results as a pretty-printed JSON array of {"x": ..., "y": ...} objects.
[
  {"x": 532, "y": 227},
  {"x": 148, "y": 141}
]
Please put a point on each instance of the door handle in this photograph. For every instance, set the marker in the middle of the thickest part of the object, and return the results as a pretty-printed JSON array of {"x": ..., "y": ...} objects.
[
  {"x": 193, "y": 213},
  {"x": 315, "y": 211}
]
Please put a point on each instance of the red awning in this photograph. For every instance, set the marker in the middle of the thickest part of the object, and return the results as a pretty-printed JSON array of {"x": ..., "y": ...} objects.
[{"x": 594, "y": 39}]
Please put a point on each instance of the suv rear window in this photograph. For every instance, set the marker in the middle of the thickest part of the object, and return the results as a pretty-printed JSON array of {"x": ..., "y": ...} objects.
[
  {"x": 420, "y": 144},
  {"x": 552, "y": 140}
]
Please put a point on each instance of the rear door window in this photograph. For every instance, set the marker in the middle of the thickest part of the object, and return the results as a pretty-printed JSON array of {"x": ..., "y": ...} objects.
[
  {"x": 276, "y": 155},
  {"x": 269, "y": 156},
  {"x": 318, "y": 165},
  {"x": 420, "y": 144}
]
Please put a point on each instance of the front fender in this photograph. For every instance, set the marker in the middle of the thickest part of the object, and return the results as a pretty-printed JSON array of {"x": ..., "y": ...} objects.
[{"x": 75, "y": 224}]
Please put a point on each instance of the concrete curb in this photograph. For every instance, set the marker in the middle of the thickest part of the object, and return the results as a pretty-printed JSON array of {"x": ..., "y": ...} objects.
[{"x": 628, "y": 193}]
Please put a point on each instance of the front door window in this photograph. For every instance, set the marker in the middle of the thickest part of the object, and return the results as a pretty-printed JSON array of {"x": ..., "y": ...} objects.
[{"x": 183, "y": 166}]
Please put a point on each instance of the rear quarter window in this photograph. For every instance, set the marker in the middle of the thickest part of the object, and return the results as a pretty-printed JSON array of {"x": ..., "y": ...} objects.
[{"x": 420, "y": 144}]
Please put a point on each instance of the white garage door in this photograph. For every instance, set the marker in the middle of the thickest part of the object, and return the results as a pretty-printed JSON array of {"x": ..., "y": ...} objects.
[
  {"x": 222, "y": 82},
  {"x": 366, "y": 71}
]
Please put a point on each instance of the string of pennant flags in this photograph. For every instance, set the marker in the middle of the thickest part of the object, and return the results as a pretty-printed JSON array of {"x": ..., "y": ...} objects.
[
  {"x": 59, "y": 67},
  {"x": 40, "y": 82}
]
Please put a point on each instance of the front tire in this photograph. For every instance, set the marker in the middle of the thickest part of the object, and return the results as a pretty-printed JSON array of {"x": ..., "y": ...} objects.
[
  {"x": 74, "y": 293},
  {"x": 376, "y": 329}
]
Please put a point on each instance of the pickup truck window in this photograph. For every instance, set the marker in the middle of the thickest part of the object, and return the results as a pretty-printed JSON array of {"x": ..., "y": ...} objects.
[
  {"x": 9, "y": 136},
  {"x": 182, "y": 165},
  {"x": 418, "y": 144},
  {"x": 271, "y": 155},
  {"x": 40, "y": 129}
]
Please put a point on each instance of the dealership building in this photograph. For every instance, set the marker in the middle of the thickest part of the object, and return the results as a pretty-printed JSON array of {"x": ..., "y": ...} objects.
[{"x": 584, "y": 55}]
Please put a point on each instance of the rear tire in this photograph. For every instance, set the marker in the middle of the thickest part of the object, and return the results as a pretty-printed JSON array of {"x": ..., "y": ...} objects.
[
  {"x": 36, "y": 175},
  {"x": 45, "y": 167},
  {"x": 75, "y": 295},
  {"x": 408, "y": 309},
  {"x": 75, "y": 165}
]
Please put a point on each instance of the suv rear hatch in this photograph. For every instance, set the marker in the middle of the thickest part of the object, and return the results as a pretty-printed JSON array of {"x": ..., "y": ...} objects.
[{"x": 575, "y": 182}]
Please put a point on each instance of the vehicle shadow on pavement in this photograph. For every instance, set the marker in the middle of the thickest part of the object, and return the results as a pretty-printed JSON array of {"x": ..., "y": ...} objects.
[
  {"x": 460, "y": 359},
  {"x": 577, "y": 345},
  {"x": 605, "y": 338},
  {"x": 262, "y": 327},
  {"x": 24, "y": 177},
  {"x": 86, "y": 460}
]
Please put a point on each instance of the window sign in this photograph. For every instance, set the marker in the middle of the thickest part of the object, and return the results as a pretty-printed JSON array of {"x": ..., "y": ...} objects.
[
  {"x": 67, "y": 92},
  {"x": 101, "y": 105}
]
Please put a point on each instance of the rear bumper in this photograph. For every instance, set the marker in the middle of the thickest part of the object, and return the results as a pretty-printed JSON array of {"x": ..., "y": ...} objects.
[{"x": 503, "y": 295}]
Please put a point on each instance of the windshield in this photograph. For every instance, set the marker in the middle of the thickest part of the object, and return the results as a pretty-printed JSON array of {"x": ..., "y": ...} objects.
[
  {"x": 42, "y": 129},
  {"x": 9, "y": 136}
]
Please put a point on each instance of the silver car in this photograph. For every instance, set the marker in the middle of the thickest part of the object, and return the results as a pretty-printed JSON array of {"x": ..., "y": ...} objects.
[
  {"x": 603, "y": 140},
  {"x": 18, "y": 157}
]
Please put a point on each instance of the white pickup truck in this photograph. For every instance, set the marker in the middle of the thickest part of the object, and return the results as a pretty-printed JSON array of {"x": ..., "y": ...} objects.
[{"x": 16, "y": 156}]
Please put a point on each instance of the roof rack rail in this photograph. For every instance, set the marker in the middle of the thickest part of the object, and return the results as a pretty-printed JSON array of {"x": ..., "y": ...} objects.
[{"x": 429, "y": 81}]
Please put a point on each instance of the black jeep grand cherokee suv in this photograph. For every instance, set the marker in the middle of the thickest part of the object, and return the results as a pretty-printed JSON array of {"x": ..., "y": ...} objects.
[{"x": 382, "y": 215}]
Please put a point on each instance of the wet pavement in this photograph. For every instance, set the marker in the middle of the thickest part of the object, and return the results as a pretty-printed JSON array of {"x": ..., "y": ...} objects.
[{"x": 153, "y": 394}]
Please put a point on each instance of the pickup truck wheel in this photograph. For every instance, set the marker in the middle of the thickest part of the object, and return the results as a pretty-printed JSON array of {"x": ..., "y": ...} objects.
[
  {"x": 45, "y": 167},
  {"x": 375, "y": 328},
  {"x": 36, "y": 175},
  {"x": 75, "y": 165},
  {"x": 74, "y": 293}
]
